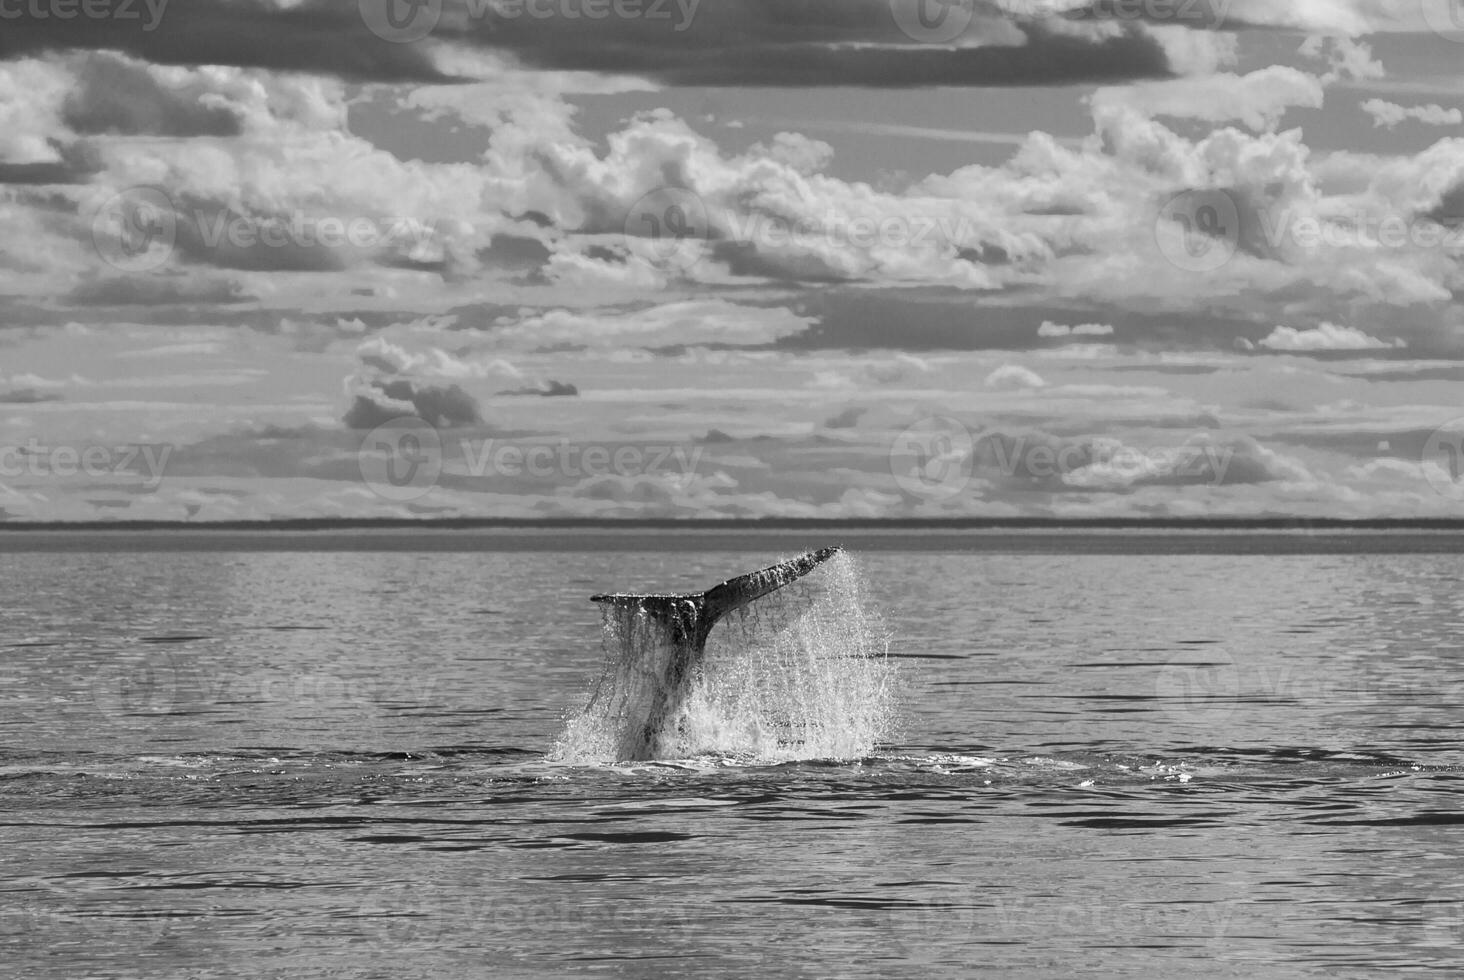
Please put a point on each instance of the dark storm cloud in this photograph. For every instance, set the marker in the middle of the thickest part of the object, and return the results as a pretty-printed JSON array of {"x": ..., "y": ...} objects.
[
  {"x": 762, "y": 43},
  {"x": 27, "y": 396},
  {"x": 709, "y": 42},
  {"x": 116, "y": 97},
  {"x": 156, "y": 291},
  {"x": 324, "y": 36},
  {"x": 441, "y": 406}
]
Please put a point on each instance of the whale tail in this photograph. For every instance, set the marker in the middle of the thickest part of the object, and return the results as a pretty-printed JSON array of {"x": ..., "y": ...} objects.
[{"x": 670, "y": 633}]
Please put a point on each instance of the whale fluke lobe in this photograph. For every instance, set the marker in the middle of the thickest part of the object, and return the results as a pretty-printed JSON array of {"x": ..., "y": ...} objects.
[{"x": 670, "y": 633}]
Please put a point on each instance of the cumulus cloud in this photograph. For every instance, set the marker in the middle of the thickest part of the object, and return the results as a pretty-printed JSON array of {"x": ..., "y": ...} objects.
[
  {"x": 376, "y": 401},
  {"x": 1037, "y": 460},
  {"x": 391, "y": 358},
  {"x": 118, "y": 96},
  {"x": 882, "y": 371},
  {"x": 694, "y": 322},
  {"x": 1390, "y": 114},
  {"x": 545, "y": 389},
  {"x": 1258, "y": 100},
  {"x": 1050, "y": 329},
  {"x": 759, "y": 214},
  {"x": 1014, "y": 376},
  {"x": 1324, "y": 337},
  {"x": 389, "y": 383}
]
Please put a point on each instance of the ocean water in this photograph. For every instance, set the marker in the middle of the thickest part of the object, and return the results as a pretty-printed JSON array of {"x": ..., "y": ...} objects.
[{"x": 1112, "y": 756}]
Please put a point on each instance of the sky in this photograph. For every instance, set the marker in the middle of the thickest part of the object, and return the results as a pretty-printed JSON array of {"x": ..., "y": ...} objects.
[{"x": 270, "y": 259}]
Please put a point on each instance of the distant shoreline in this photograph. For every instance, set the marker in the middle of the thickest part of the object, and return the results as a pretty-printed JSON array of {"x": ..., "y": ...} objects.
[
  {"x": 784, "y": 537},
  {"x": 693, "y": 525}
]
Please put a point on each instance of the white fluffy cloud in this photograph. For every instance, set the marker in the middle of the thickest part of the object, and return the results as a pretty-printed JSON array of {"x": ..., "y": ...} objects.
[
  {"x": 1390, "y": 114},
  {"x": 1258, "y": 100},
  {"x": 1324, "y": 337},
  {"x": 1014, "y": 376},
  {"x": 1050, "y": 329}
]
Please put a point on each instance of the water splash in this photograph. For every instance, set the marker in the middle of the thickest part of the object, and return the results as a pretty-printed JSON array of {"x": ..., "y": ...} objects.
[{"x": 799, "y": 674}]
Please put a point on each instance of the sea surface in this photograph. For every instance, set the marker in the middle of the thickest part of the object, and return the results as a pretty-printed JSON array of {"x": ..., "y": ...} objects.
[{"x": 1116, "y": 756}]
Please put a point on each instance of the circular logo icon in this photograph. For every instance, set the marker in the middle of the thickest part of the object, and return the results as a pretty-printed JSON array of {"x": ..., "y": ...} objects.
[
  {"x": 933, "y": 21},
  {"x": 135, "y": 231},
  {"x": 1198, "y": 231},
  {"x": 1445, "y": 18},
  {"x": 400, "y": 21},
  {"x": 674, "y": 221},
  {"x": 1199, "y": 686},
  {"x": 401, "y": 460},
  {"x": 932, "y": 459},
  {"x": 137, "y": 691},
  {"x": 1443, "y": 459}
]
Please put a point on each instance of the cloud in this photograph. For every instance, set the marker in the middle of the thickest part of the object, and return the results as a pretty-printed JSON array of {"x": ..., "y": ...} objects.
[
  {"x": 159, "y": 291},
  {"x": 1389, "y": 114},
  {"x": 1258, "y": 99},
  {"x": 695, "y": 322},
  {"x": 376, "y": 401},
  {"x": 546, "y": 389},
  {"x": 388, "y": 384},
  {"x": 1014, "y": 376},
  {"x": 729, "y": 42},
  {"x": 390, "y": 358},
  {"x": 1050, "y": 329},
  {"x": 318, "y": 36},
  {"x": 882, "y": 371},
  {"x": 1042, "y": 461},
  {"x": 1324, "y": 337},
  {"x": 856, "y": 42},
  {"x": 1325, "y": 17},
  {"x": 27, "y": 396},
  {"x": 116, "y": 96}
]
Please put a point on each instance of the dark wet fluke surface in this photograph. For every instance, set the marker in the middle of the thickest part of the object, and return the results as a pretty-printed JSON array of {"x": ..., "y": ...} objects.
[{"x": 312, "y": 765}]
